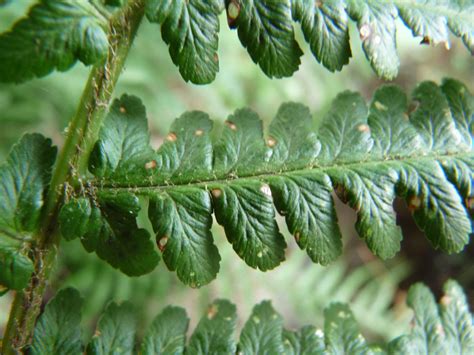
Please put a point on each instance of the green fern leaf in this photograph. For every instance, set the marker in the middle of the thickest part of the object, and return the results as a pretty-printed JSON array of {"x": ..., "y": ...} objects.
[
  {"x": 15, "y": 265},
  {"x": 24, "y": 179},
  {"x": 451, "y": 330},
  {"x": 265, "y": 28},
  {"x": 325, "y": 27},
  {"x": 369, "y": 155},
  {"x": 167, "y": 333},
  {"x": 58, "y": 330},
  {"x": 190, "y": 28},
  {"x": 54, "y": 35},
  {"x": 215, "y": 331},
  {"x": 341, "y": 332},
  {"x": 447, "y": 328},
  {"x": 262, "y": 333},
  {"x": 308, "y": 340},
  {"x": 115, "y": 332}
]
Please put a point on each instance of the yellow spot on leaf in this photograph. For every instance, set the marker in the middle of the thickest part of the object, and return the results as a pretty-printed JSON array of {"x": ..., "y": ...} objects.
[
  {"x": 150, "y": 165},
  {"x": 171, "y": 137}
]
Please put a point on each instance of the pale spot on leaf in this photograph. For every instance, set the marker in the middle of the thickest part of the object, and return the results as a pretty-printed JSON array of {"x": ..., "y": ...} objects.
[
  {"x": 150, "y": 165},
  {"x": 171, "y": 137}
]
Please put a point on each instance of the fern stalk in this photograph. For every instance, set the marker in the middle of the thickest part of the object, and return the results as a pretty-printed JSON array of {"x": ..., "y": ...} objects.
[{"x": 82, "y": 133}]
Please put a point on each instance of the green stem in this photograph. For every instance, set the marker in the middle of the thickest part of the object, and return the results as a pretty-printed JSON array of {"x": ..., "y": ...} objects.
[{"x": 71, "y": 165}]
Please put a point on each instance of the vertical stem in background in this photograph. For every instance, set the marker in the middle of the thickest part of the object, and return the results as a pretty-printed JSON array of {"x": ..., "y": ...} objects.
[{"x": 72, "y": 163}]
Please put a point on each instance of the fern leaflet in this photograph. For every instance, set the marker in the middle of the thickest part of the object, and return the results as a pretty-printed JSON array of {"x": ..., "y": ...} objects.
[
  {"x": 368, "y": 155},
  {"x": 445, "y": 327}
]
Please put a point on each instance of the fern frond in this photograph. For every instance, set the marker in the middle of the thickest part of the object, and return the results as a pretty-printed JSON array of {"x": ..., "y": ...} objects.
[
  {"x": 367, "y": 155},
  {"x": 265, "y": 28},
  {"x": 61, "y": 32},
  {"x": 447, "y": 327}
]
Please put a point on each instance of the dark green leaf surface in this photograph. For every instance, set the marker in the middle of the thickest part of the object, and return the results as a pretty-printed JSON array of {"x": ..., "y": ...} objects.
[
  {"x": 115, "y": 332},
  {"x": 75, "y": 30},
  {"x": 54, "y": 35},
  {"x": 182, "y": 222},
  {"x": 245, "y": 210},
  {"x": 215, "y": 331},
  {"x": 124, "y": 141},
  {"x": 266, "y": 29},
  {"x": 58, "y": 328},
  {"x": 15, "y": 266},
  {"x": 368, "y": 155},
  {"x": 24, "y": 178},
  {"x": 167, "y": 333},
  {"x": 262, "y": 333},
  {"x": 190, "y": 28},
  {"x": 444, "y": 329},
  {"x": 325, "y": 28}
]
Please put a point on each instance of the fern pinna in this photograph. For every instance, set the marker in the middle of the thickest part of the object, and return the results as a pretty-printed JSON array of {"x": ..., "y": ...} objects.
[
  {"x": 444, "y": 328},
  {"x": 368, "y": 155},
  {"x": 74, "y": 30}
]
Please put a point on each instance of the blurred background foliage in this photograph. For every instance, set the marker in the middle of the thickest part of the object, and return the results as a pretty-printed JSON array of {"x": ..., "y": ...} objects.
[{"x": 299, "y": 289}]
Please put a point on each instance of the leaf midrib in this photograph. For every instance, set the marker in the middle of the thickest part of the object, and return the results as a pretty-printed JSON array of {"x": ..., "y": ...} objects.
[{"x": 109, "y": 186}]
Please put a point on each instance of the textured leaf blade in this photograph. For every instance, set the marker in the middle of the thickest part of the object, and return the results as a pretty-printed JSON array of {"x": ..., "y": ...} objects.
[
  {"x": 262, "y": 333},
  {"x": 265, "y": 29},
  {"x": 112, "y": 232},
  {"x": 371, "y": 192},
  {"x": 187, "y": 150},
  {"x": 74, "y": 218},
  {"x": 342, "y": 335},
  {"x": 54, "y": 35},
  {"x": 306, "y": 202},
  {"x": 344, "y": 133},
  {"x": 115, "y": 332},
  {"x": 190, "y": 29},
  {"x": 456, "y": 318},
  {"x": 245, "y": 210},
  {"x": 23, "y": 181},
  {"x": 308, "y": 340},
  {"x": 16, "y": 267},
  {"x": 167, "y": 333},
  {"x": 393, "y": 133},
  {"x": 241, "y": 149},
  {"x": 325, "y": 28},
  {"x": 377, "y": 29},
  {"x": 58, "y": 328},
  {"x": 124, "y": 143},
  {"x": 368, "y": 156},
  {"x": 182, "y": 221},
  {"x": 436, "y": 205},
  {"x": 293, "y": 142},
  {"x": 447, "y": 329},
  {"x": 215, "y": 331}
]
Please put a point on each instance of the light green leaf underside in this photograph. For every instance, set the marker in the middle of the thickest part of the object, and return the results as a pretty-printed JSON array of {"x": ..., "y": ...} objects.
[
  {"x": 266, "y": 30},
  {"x": 368, "y": 155},
  {"x": 115, "y": 332},
  {"x": 53, "y": 36},
  {"x": 444, "y": 328},
  {"x": 15, "y": 265},
  {"x": 58, "y": 329},
  {"x": 24, "y": 179}
]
